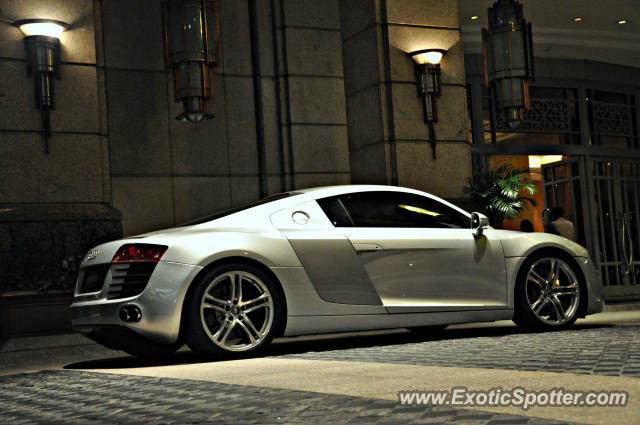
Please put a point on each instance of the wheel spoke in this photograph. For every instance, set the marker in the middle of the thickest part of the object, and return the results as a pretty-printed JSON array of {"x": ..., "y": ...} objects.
[
  {"x": 553, "y": 270},
  {"x": 261, "y": 297},
  {"x": 536, "y": 278},
  {"x": 245, "y": 328},
  {"x": 224, "y": 331},
  {"x": 267, "y": 304},
  {"x": 536, "y": 303},
  {"x": 566, "y": 290},
  {"x": 237, "y": 293},
  {"x": 557, "y": 306},
  {"x": 540, "y": 306},
  {"x": 214, "y": 303},
  {"x": 249, "y": 323}
]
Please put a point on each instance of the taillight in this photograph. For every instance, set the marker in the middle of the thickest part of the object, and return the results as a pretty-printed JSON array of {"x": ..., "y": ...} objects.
[{"x": 139, "y": 253}]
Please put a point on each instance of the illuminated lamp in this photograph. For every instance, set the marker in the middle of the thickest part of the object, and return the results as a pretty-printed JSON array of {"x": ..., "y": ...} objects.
[
  {"x": 42, "y": 43},
  {"x": 427, "y": 63}
]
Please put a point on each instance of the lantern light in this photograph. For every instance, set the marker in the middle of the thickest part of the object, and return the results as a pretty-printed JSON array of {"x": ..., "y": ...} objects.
[
  {"x": 42, "y": 43},
  {"x": 191, "y": 50},
  {"x": 508, "y": 59},
  {"x": 429, "y": 87}
]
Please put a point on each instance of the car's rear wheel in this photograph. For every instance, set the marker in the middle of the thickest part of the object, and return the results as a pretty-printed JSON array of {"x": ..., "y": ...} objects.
[
  {"x": 235, "y": 308},
  {"x": 548, "y": 292}
]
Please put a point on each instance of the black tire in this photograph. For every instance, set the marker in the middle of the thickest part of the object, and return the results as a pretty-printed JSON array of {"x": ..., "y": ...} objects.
[
  {"x": 428, "y": 330},
  {"x": 203, "y": 328},
  {"x": 535, "y": 307}
]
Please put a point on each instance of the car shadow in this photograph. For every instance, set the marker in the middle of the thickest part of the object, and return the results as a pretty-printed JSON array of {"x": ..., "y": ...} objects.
[{"x": 316, "y": 343}]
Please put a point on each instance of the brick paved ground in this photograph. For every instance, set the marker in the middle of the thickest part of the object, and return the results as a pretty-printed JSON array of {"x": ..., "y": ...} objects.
[
  {"x": 606, "y": 350},
  {"x": 84, "y": 397}
]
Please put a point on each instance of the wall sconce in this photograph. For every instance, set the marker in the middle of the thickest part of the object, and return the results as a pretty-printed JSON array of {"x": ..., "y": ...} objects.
[
  {"x": 508, "y": 59},
  {"x": 428, "y": 70},
  {"x": 191, "y": 49},
  {"x": 42, "y": 43}
]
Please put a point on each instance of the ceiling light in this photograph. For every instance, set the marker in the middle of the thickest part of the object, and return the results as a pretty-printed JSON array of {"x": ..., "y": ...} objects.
[
  {"x": 622, "y": 21},
  {"x": 577, "y": 19},
  {"x": 474, "y": 17}
]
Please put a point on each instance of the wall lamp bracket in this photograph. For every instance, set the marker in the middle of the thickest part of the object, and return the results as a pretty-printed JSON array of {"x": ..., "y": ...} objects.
[
  {"x": 428, "y": 73},
  {"x": 42, "y": 44}
]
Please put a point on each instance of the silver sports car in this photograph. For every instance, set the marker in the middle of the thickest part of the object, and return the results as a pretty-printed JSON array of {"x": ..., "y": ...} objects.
[{"x": 327, "y": 259}]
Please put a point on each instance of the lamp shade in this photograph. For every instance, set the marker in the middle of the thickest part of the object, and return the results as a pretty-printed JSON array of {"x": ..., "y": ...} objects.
[
  {"x": 428, "y": 56},
  {"x": 42, "y": 27}
]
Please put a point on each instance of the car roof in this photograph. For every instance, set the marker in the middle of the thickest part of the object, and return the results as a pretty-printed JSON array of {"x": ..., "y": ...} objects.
[{"x": 325, "y": 191}]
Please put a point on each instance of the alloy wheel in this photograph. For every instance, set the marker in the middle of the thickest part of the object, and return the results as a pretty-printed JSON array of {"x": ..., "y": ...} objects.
[
  {"x": 237, "y": 311},
  {"x": 552, "y": 291}
]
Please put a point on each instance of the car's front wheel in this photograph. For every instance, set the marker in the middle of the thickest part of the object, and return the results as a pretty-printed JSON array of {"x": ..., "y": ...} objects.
[
  {"x": 548, "y": 293},
  {"x": 234, "y": 308}
]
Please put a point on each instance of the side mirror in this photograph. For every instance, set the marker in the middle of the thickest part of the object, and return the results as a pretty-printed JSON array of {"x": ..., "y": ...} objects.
[{"x": 479, "y": 222}]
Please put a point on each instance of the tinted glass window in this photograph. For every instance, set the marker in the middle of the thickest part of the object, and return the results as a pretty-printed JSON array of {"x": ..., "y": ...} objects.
[
  {"x": 335, "y": 211},
  {"x": 391, "y": 209}
]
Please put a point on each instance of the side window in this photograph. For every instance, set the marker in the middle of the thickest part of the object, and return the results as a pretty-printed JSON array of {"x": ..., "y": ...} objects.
[
  {"x": 391, "y": 209},
  {"x": 335, "y": 212}
]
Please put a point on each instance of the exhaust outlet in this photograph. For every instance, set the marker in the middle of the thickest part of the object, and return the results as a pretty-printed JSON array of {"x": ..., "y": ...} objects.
[{"x": 130, "y": 313}]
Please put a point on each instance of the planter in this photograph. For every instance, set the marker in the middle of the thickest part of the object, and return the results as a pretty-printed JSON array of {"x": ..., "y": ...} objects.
[{"x": 32, "y": 313}]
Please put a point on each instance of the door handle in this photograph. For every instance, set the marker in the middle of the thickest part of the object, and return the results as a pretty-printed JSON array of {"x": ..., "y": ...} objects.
[
  {"x": 366, "y": 247},
  {"x": 627, "y": 222},
  {"x": 625, "y": 232}
]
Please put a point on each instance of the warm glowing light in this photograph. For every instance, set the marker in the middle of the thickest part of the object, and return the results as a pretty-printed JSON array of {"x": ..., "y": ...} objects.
[
  {"x": 418, "y": 210},
  {"x": 44, "y": 27},
  {"x": 622, "y": 21},
  {"x": 432, "y": 57},
  {"x": 577, "y": 19},
  {"x": 474, "y": 17},
  {"x": 536, "y": 161}
]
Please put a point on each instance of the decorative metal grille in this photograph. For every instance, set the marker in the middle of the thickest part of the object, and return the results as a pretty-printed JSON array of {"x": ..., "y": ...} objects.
[
  {"x": 612, "y": 119},
  {"x": 545, "y": 115}
]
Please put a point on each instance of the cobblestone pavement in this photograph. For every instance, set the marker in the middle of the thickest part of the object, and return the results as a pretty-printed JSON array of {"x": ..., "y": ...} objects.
[
  {"x": 613, "y": 351},
  {"x": 84, "y": 397}
]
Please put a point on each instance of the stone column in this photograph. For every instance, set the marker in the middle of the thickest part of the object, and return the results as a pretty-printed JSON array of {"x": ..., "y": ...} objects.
[
  {"x": 388, "y": 138},
  {"x": 303, "y": 94}
]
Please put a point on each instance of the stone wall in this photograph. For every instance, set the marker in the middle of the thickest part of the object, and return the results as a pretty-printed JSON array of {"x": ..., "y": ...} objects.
[
  {"x": 388, "y": 137},
  {"x": 285, "y": 115}
]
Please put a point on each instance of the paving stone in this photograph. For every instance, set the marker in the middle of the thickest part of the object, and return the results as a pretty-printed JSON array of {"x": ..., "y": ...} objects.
[
  {"x": 83, "y": 397},
  {"x": 601, "y": 351}
]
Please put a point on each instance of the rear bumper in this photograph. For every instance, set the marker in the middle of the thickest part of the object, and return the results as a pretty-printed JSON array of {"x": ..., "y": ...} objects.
[{"x": 160, "y": 304}]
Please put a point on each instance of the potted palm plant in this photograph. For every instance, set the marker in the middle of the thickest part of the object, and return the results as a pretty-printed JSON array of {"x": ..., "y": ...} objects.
[{"x": 498, "y": 193}]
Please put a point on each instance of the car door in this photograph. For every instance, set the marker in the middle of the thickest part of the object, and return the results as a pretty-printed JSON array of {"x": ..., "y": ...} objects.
[{"x": 419, "y": 252}]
